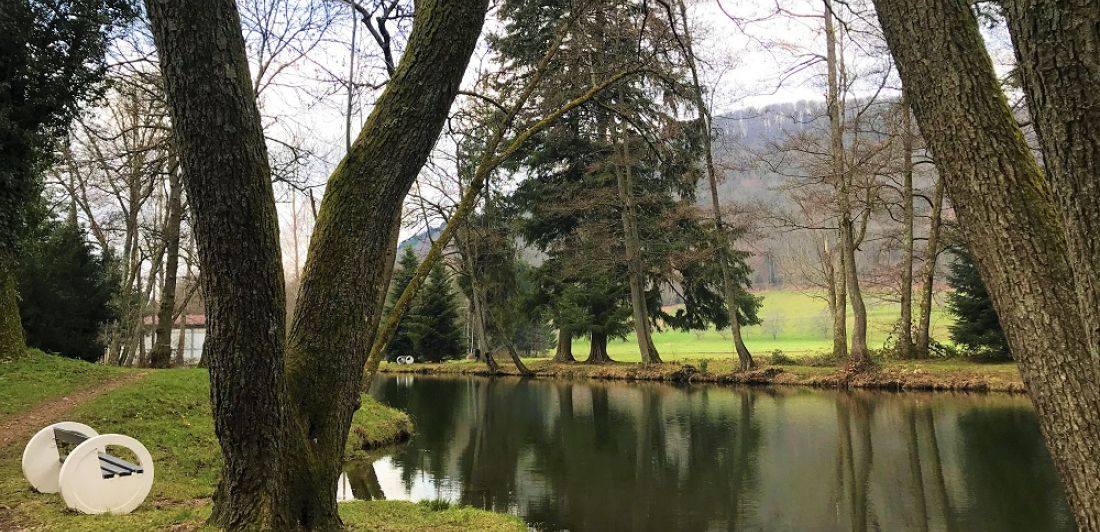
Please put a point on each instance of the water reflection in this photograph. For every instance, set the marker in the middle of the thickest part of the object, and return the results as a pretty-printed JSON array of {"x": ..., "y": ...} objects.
[{"x": 617, "y": 456}]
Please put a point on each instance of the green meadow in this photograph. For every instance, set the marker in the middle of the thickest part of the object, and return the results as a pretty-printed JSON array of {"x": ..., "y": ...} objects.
[{"x": 794, "y": 322}]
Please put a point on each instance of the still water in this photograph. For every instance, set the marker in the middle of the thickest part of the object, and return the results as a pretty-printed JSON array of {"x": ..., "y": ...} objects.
[{"x": 594, "y": 456}]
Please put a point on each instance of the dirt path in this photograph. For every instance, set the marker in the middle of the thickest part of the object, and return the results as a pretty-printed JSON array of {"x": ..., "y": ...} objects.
[{"x": 23, "y": 425}]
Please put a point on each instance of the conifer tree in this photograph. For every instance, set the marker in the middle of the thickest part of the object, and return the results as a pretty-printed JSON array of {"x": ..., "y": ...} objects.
[
  {"x": 432, "y": 326},
  {"x": 402, "y": 342},
  {"x": 66, "y": 291},
  {"x": 976, "y": 324}
]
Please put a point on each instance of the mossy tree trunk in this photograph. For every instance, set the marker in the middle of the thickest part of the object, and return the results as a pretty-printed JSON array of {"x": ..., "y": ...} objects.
[
  {"x": 1057, "y": 46},
  {"x": 12, "y": 343},
  {"x": 282, "y": 462},
  {"x": 228, "y": 181},
  {"x": 337, "y": 312},
  {"x": 1009, "y": 211}
]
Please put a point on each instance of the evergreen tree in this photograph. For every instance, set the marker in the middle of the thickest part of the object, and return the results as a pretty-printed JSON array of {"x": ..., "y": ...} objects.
[
  {"x": 66, "y": 292},
  {"x": 51, "y": 59},
  {"x": 432, "y": 325},
  {"x": 402, "y": 343},
  {"x": 976, "y": 324}
]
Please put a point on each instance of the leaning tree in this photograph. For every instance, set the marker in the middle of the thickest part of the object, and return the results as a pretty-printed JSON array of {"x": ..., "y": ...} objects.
[{"x": 1033, "y": 231}]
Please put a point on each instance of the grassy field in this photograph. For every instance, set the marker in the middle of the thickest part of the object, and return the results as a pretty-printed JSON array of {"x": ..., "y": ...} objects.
[
  {"x": 801, "y": 327},
  {"x": 169, "y": 411}
]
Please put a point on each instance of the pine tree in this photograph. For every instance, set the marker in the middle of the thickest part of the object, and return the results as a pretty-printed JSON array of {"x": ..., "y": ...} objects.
[
  {"x": 976, "y": 324},
  {"x": 402, "y": 343},
  {"x": 432, "y": 326},
  {"x": 66, "y": 292}
]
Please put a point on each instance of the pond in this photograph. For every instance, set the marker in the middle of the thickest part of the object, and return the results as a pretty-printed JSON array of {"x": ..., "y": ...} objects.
[{"x": 604, "y": 456}]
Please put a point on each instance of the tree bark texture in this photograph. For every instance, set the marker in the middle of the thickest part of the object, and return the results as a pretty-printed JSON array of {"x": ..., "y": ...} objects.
[
  {"x": 337, "y": 312},
  {"x": 1011, "y": 219},
  {"x": 564, "y": 353},
  {"x": 228, "y": 182},
  {"x": 597, "y": 349},
  {"x": 161, "y": 354},
  {"x": 1057, "y": 46}
]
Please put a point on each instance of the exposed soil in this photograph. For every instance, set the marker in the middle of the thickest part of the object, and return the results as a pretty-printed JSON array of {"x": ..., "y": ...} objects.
[
  {"x": 22, "y": 425},
  {"x": 875, "y": 378}
]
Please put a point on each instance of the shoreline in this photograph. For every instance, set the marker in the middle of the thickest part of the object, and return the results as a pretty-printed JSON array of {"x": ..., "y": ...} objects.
[{"x": 925, "y": 376}]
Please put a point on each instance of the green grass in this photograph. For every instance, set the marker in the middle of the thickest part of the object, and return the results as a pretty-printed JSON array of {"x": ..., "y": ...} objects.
[
  {"x": 169, "y": 412},
  {"x": 804, "y": 330},
  {"x": 39, "y": 376}
]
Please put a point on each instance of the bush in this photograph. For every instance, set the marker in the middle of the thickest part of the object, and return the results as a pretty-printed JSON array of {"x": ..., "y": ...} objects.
[
  {"x": 779, "y": 358},
  {"x": 703, "y": 363}
]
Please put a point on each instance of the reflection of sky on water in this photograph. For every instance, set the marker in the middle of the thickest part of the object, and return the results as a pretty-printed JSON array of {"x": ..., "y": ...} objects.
[{"x": 618, "y": 456}]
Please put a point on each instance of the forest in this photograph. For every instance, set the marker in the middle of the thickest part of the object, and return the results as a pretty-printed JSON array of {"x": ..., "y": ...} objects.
[{"x": 297, "y": 206}]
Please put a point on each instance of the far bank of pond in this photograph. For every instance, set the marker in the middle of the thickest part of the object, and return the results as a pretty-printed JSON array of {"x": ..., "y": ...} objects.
[
  {"x": 589, "y": 455},
  {"x": 925, "y": 375}
]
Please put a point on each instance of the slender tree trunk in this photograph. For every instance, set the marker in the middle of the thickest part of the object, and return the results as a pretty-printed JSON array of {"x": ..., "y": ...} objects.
[
  {"x": 729, "y": 289},
  {"x": 928, "y": 273},
  {"x": 12, "y": 343},
  {"x": 564, "y": 352},
  {"x": 632, "y": 241},
  {"x": 181, "y": 341},
  {"x": 228, "y": 182},
  {"x": 1009, "y": 214},
  {"x": 905, "y": 327},
  {"x": 597, "y": 351},
  {"x": 161, "y": 354},
  {"x": 858, "y": 356},
  {"x": 838, "y": 303}
]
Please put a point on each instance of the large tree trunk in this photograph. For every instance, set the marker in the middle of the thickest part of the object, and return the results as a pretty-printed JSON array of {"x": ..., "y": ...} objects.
[
  {"x": 597, "y": 350},
  {"x": 635, "y": 266},
  {"x": 1057, "y": 47},
  {"x": 12, "y": 343},
  {"x": 294, "y": 470},
  {"x": 564, "y": 352},
  {"x": 905, "y": 326},
  {"x": 228, "y": 181},
  {"x": 1008, "y": 213},
  {"x": 161, "y": 354},
  {"x": 928, "y": 274},
  {"x": 729, "y": 289},
  {"x": 338, "y": 312}
]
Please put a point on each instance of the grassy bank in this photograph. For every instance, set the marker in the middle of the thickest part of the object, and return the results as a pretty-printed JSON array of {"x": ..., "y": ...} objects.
[
  {"x": 796, "y": 323},
  {"x": 169, "y": 412},
  {"x": 36, "y": 377},
  {"x": 944, "y": 375}
]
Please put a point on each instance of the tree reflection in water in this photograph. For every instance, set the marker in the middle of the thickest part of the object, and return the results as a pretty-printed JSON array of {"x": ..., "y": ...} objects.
[{"x": 623, "y": 456}]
